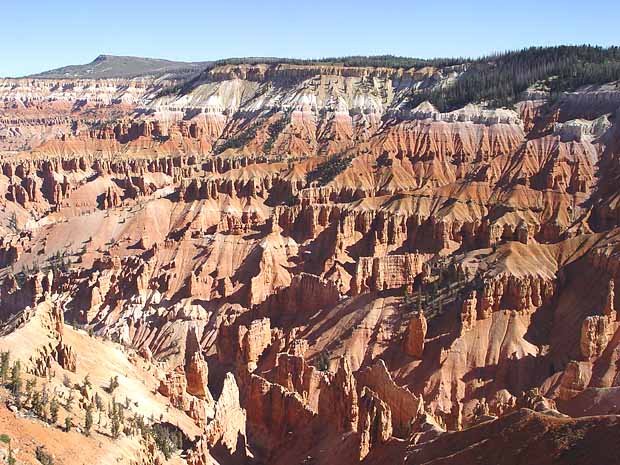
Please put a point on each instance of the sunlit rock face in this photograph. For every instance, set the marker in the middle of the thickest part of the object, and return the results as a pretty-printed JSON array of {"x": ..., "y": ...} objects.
[{"x": 294, "y": 264}]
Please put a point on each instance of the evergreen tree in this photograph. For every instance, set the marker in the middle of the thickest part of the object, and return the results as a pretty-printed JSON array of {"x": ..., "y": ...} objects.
[
  {"x": 31, "y": 385},
  {"x": 37, "y": 405},
  {"x": 113, "y": 384},
  {"x": 43, "y": 457},
  {"x": 54, "y": 408},
  {"x": 4, "y": 366},
  {"x": 69, "y": 402},
  {"x": 98, "y": 402},
  {"x": 16, "y": 379},
  {"x": 13, "y": 223},
  {"x": 323, "y": 362},
  {"x": 88, "y": 421},
  {"x": 116, "y": 426},
  {"x": 500, "y": 79}
]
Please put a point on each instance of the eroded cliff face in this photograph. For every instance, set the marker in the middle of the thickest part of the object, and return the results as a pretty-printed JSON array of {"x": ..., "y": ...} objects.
[{"x": 289, "y": 264}]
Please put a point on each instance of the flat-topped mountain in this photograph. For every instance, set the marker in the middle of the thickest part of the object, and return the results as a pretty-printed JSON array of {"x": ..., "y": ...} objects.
[{"x": 111, "y": 66}]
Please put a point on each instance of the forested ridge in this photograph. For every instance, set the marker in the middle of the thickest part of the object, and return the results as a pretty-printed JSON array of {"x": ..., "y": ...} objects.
[
  {"x": 497, "y": 80},
  {"x": 500, "y": 79}
]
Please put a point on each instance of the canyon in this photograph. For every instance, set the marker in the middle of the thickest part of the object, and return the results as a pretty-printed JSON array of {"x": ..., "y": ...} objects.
[{"x": 296, "y": 263}]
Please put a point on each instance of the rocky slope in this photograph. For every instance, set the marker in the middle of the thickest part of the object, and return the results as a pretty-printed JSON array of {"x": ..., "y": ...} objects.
[{"x": 289, "y": 263}]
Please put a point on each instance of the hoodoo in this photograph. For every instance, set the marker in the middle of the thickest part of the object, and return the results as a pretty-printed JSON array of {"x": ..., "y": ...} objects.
[{"x": 276, "y": 262}]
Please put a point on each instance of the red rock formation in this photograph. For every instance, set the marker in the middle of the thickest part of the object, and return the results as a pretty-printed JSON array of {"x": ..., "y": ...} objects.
[
  {"x": 414, "y": 338},
  {"x": 393, "y": 271},
  {"x": 226, "y": 432},
  {"x": 469, "y": 312},
  {"x": 338, "y": 400},
  {"x": 404, "y": 406},
  {"x": 258, "y": 219},
  {"x": 595, "y": 334},
  {"x": 375, "y": 426}
]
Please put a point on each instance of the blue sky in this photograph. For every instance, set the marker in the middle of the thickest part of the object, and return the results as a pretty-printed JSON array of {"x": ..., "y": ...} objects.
[{"x": 44, "y": 34}]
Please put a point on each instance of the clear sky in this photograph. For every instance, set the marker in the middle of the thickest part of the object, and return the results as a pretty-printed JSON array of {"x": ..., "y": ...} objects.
[{"x": 36, "y": 35}]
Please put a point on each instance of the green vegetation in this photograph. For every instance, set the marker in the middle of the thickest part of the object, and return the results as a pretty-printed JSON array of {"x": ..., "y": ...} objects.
[
  {"x": 273, "y": 131},
  {"x": 88, "y": 420},
  {"x": 444, "y": 284},
  {"x": 10, "y": 459},
  {"x": 113, "y": 384},
  {"x": 237, "y": 141},
  {"x": 58, "y": 262},
  {"x": 325, "y": 172},
  {"x": 111, "y": 66},
  {"x": 381, "y": 61},
  {"x": 98, "y": 402},
  {"x": 116, "y": 413},
  {"x": 322, "y": 363},
  {"x": 500, "y": 79},
  {"x": 174, "y": 89},
  {"x": 38, "y": 403},
  {"x": 54, "y": 409},
  {"x": 497, "y": 79},
  {"x": 43, "y": 456},
  {"x": 15, "y": 382},
  {"x": 168, "y": 439},
  {"x": 13, "y": 225},
  {"x": 4, "y": 366}
]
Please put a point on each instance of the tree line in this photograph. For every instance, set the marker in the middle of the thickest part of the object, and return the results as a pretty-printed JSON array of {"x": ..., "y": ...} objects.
[{"x": 499, "y": 80}]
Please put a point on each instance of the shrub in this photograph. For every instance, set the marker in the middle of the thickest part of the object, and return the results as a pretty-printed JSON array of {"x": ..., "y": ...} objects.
[
  {"x": 322, "y": 363},
  {"x": 168, "y": 439},
  {"x": 43, "y": 457},
  {"x": 113, "y": 384}
]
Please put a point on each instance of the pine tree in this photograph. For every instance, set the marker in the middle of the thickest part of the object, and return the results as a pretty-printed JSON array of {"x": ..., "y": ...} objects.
[
  {"x": 54, "y": 408},
  {"x": 69, "y": 402},
  {"x": 98, "y": 402},
  {"x": 31, "y": 385},
  {"x": 13, "y": 223},
  {"x": 88, "y": 421},
  {"x": 116, "y": 426},
  {"x": 323, "y": 362},
  {"x": 4, "y": 366},
  {"x": 11, "y": 460},
  {"x": 37, "y": 406},
  {"x": 16, "y": 378},
  {"x": 68, "y": 423}
]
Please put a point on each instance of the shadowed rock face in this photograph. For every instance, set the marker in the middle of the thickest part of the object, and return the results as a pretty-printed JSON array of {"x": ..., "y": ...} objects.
[{"x": 286, "y": 264}]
